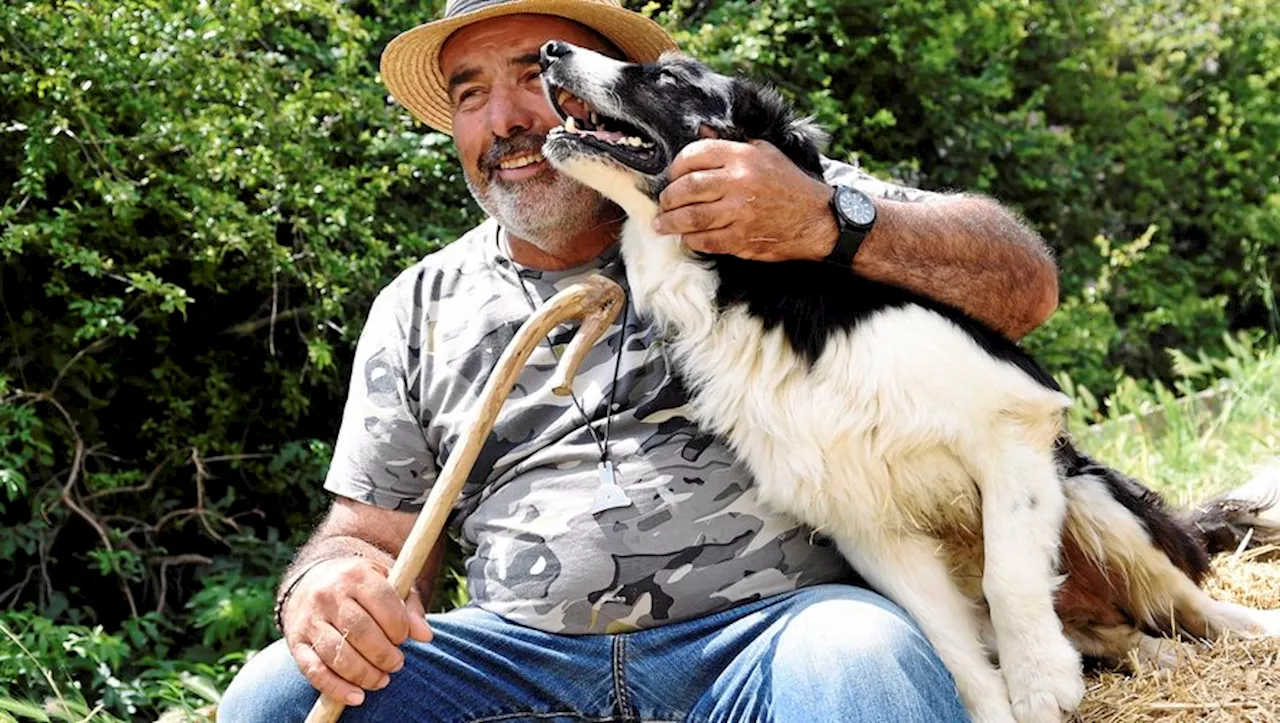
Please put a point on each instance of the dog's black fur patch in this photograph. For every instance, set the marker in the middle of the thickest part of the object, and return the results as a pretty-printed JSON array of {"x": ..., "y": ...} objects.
[{"x": 811, "y": 300}]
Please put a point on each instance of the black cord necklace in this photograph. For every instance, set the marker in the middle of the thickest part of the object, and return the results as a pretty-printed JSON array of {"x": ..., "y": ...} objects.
[{"x": 610, "y": 495}]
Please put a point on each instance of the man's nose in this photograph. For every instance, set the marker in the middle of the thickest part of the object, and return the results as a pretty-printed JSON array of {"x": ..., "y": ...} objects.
[
  {"x": 553, "y": 50},
  {"x": 509, "y": 110}
]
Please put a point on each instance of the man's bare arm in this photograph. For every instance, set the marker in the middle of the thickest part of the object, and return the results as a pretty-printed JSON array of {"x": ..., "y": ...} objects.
[
  {"x": 750, "y": 200},
  {"x": 966, "y": 251}
]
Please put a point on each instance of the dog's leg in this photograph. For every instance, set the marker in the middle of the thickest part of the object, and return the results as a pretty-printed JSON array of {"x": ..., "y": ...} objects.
[
  {"x": 1022, "y": 513},
  {"x": 904, "y": 567}
]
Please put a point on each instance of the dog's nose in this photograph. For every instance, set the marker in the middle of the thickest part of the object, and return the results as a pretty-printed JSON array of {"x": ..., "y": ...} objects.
[{"x": 551, "y": 51}]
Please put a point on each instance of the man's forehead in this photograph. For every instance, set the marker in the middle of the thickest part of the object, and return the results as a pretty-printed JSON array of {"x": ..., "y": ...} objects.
[{"x": 513, "y": 35}]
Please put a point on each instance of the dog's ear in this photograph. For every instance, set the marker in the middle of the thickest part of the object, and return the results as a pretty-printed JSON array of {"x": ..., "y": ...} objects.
[{"x": 760, "y": 113}]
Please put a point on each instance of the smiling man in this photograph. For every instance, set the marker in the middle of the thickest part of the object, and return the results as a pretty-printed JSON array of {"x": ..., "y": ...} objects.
[{"x": 619, "y": 565}]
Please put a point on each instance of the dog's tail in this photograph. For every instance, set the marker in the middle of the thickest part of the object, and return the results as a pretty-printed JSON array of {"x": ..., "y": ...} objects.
[
  {"x": 1169, "y": 532},
  {"x": 1244, "y": 518}
]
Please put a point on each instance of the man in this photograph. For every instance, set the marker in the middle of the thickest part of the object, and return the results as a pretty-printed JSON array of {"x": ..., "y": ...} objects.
[{"x": 683, "y": 599}]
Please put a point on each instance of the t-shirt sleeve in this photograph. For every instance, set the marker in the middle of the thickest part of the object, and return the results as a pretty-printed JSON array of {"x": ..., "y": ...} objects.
[
  {"x": 382, "y": 456},
  {"x": 844, "y": 174}
]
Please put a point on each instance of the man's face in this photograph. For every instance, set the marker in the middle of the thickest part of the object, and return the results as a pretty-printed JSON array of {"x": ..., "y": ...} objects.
[{"x": 500, "y": 119}]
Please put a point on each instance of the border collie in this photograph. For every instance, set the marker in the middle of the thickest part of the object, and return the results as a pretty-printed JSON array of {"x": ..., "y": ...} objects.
[{"x": 928, "y": 447}]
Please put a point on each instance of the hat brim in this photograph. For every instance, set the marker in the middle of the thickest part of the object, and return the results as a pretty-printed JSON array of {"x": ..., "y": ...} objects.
[{"x": 410, "y": 64}]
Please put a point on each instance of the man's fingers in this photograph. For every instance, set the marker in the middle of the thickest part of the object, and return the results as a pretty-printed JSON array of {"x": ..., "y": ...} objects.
[
  {"x": 694, "y": 219},
  {"x": 322, "y": 678},
  {"x": 418, "y": 628},
  {"x": 337, "y": 652},
  {"x": 718, "y": 241},
  {"x": 387, "y": 609},
  {"x": 703, "y": 155},
  {"x": 366, "y": 636},
  {"x": 696, "y": 187}
]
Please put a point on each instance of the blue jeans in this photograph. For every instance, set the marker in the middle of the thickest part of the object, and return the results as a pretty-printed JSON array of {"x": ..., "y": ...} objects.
[{"x": 823, "y": 653}]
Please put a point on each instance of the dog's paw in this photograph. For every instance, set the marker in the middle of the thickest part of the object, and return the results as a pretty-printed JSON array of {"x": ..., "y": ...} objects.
[
  {"x": 1159, "y": 653},
  {"x": 1038, "y": 707},
  {"x": 1232, "y": 619},
  {"x": 1046, "y": 686},
  {"x": 1267, "y": 623}
]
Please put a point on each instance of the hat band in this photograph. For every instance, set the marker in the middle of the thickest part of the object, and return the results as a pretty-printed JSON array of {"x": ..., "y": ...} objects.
[{"x": 462, "y": 7}]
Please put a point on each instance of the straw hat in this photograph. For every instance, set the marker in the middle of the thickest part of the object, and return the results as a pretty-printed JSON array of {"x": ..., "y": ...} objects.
[{"x": 411, "y": 63}]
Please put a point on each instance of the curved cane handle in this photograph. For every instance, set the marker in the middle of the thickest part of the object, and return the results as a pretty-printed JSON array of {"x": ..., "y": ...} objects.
[
  {"x": 594, "y": 325},
  {"x": 597, "y": 301}
]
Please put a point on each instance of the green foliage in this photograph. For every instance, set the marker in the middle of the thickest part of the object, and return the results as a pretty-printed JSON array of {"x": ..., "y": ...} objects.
[
  {"x": 1189, "y": 444},
  {"x": 199, "y": 200}
]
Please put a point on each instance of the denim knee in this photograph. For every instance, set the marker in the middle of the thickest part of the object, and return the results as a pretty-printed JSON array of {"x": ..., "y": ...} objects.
[
  {"x": 268, "y": 688},
  {"x": 857, "y": 653}
]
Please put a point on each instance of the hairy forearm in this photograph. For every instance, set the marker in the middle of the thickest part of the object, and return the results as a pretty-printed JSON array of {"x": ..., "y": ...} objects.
[
  {"x": 324, "y": 546},
  {"x": 966, "y": 251}
]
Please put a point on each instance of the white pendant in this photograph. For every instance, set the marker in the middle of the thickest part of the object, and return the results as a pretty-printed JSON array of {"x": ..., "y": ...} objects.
[{"x": 609, "y": 496}]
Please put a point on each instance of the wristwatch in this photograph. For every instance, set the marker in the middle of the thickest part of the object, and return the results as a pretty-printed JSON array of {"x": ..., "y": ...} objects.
[{"x": 855, "y": 215}]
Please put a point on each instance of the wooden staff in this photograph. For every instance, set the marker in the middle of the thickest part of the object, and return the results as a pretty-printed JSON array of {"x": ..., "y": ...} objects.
[{"x": 596, "y": 301}]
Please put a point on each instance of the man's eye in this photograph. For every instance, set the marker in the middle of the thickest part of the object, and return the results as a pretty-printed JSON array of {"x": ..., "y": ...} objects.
[
  {"x": 533, "y": 75},
  {"x": 468, "y": 94}
]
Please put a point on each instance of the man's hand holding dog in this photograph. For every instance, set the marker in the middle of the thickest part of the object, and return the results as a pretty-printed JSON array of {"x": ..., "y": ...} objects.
[
  {"x": 748, "y": 200},
  {"x": 345, "y": 623}
]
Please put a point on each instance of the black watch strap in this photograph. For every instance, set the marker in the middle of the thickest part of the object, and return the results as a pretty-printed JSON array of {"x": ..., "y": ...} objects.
[
  {"x": 852, "y": 233},
  {"x": 846, "y": 247}
]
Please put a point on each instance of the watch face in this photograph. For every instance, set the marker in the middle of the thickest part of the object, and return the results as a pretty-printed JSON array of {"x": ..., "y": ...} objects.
[{"x": 856, "y": 207}]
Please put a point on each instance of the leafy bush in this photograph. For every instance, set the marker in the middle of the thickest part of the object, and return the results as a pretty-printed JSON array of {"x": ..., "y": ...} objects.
[{"x": 200, "y": 200}]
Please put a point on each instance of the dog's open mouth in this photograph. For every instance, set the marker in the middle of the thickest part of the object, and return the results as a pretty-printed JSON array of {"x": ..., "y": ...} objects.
[{"x": 614, "y": 137}]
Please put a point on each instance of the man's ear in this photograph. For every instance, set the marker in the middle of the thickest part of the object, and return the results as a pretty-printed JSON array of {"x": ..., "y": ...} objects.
[{"x": 759, "y": 113}]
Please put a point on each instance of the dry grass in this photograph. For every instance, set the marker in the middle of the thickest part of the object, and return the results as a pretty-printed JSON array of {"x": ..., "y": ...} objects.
[{"x": 1230, "y": 680}]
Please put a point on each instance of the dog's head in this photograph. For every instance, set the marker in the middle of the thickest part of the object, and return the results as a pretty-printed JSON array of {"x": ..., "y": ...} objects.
[{"x": 625, "y": 122}]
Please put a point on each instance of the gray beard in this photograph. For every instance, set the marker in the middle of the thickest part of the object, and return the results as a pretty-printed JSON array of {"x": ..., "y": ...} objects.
[{"x": 548, "y": 211}]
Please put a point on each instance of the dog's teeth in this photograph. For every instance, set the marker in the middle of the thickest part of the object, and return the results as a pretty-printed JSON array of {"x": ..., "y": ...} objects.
[
  {"x": 595, "y": 119},
  {"x": 570, "y": 125},
  {"x": 562, "y": 96}
]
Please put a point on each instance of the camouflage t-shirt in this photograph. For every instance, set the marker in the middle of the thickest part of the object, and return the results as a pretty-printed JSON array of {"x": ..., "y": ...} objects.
[{"x": 693, "y": 540}]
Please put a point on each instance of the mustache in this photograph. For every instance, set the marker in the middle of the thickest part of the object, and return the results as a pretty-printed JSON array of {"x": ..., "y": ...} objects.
[{"x": 506, "y": 147}]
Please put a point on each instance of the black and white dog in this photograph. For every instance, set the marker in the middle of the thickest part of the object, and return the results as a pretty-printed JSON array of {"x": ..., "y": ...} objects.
[{"x": 926, "y": 445}]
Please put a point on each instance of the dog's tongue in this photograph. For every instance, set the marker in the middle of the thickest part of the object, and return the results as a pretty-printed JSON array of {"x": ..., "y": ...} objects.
[{"x": 604, "y": 135}]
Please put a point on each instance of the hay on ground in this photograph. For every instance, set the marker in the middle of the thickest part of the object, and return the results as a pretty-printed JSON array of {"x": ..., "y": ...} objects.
[{"x": 1230, "y": 680}]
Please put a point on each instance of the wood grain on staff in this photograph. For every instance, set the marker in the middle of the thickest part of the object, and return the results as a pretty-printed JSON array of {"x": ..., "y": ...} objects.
[{"x": 596, "y": 301}]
